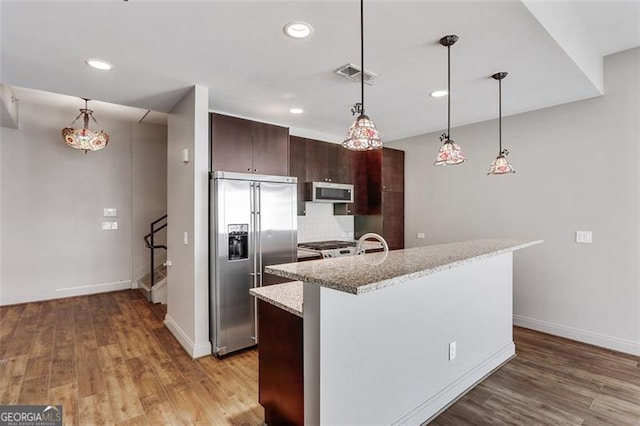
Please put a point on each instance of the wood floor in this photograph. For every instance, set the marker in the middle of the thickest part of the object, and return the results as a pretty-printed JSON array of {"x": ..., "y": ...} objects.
[
  {"x": 554, "y": 381},
  {"x": 108, "y": 359}
]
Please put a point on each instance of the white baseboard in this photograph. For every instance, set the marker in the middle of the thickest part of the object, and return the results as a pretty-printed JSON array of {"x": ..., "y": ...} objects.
[
  {"x": 585, "y": 336},
  {"x": 195, "y": 351},
  {"x": 60, "y": 293},
  {"x": 450, "y": 394}
]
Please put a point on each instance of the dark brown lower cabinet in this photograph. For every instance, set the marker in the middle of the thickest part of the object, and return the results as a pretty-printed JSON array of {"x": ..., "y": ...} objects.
[{"x": 280, "y": 363}]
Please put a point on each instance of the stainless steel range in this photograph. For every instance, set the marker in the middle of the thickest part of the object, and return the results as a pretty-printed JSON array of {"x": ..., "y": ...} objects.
[{"x": 333, "y": 248}]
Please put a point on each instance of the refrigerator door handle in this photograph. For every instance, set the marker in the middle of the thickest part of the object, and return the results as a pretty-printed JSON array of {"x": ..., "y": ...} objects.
[
  {"x": 259, "y": 235},
  {"x": 253, "y": 233}
]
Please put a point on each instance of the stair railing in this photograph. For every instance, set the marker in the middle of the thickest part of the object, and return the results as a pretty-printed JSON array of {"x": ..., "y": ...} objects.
[{"x": 148, "y": 239}]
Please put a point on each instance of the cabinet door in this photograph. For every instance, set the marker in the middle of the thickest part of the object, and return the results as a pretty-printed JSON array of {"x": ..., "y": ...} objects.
[
  {"x": 392, "y": 170},
  {"x": 297, "y": 168},
  {"x": 393, "y": 219},
  {"x": 317, "y": 160},
  {"x": 270, "y": 149},
  {"x": 340, "y": 164},
  {"x": 367, "y": 166},
  {"x": 231, "y": 144}
]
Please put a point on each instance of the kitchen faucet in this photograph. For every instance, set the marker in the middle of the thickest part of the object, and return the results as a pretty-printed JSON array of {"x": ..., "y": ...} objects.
[{"x": 360, "y": 250}]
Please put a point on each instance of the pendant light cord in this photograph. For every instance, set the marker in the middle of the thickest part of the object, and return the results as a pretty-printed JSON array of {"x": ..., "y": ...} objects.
[
  {"x": 500, "y": 115},
  {"x": 362, "y": 56},
  {"x": 449, "y": 92}
]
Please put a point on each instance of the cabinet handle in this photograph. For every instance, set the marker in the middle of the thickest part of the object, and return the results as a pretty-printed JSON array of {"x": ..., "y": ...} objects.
[
  {"x": 255, "y": 170},
  {"x": 329, "y": 180},
  {"x": 249, "y": 169}
]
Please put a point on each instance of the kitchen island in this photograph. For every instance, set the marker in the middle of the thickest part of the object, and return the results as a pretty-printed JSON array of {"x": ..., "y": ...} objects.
[{"x": 395, "y": 338}]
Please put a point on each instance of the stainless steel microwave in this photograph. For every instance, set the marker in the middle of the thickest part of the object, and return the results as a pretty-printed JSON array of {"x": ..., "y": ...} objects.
[{"x": 328, "y": 192}]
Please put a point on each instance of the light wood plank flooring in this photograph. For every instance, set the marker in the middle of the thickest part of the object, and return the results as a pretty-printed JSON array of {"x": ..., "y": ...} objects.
[{"x": 109, "y": 360}]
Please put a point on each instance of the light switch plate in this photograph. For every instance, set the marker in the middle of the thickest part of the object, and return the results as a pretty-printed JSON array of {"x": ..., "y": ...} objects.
[
  {"x": 109, "y": 212},
  {"x": 421, "y": 235},
  {"x": 584, "y": 237}
]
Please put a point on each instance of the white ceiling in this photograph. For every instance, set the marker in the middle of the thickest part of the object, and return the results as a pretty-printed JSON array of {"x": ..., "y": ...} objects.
[{"x": 237, "y": 50}]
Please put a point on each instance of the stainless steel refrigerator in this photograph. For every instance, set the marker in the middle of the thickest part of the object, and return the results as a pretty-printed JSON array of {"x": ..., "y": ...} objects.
[{"x": 253, "y": 225}]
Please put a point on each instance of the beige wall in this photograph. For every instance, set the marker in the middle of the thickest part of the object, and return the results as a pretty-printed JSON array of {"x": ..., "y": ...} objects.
[
  {"x": 577, "y": 169},
  {"x": 187, "y": 208},
  {"x": 149, "y": 193},
  {"x": 52, "y": 199}
]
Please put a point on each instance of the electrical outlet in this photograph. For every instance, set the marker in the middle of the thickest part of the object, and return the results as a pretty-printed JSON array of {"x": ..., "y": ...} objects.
[
  {"x": 584, "y": 237},
  {"x": 421, "y": 235},
  {"x": 109, "y": 212},
  {"x": 452, "y": 351}
]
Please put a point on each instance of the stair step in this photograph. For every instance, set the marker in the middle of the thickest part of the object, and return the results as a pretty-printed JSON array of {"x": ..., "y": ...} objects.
[{"x": 159, "y": 274}]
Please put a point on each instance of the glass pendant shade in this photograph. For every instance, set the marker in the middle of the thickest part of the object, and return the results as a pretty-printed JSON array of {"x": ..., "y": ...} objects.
[
  {"x": 450, "y": 153},
  {"x": 500, "y": 166},
  {"x": 85, "y": 138},
  {"x": 362, "y": 135}
]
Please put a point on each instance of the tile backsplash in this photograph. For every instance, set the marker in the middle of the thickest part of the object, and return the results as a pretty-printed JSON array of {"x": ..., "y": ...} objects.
[{"x": 320, "y": 224}]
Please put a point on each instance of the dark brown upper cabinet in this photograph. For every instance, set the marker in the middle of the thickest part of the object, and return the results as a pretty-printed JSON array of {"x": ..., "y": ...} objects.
[
  {"x": 298, "y": 168},
  {"x": 246, "y": 146},
  {"x": 328, "y": 162},
  {"x": 392, "y": 170}
]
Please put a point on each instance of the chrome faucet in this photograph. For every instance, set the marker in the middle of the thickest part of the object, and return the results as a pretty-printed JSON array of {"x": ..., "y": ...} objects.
[{"x": 360, "y": 250}]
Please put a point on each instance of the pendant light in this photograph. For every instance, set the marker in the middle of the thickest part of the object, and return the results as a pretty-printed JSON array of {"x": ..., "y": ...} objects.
[
  {"x": 85, "y": 138},
  {"x": 362, "y": 135},
  {"x": 500, "y": 165},
  {"x": 450, "y": 152}
]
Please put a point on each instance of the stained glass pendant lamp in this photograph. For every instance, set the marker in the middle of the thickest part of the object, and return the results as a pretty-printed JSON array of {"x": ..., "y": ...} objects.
[
  {"x": 450, "y": 152},
  {"x": 500, "y": 165},
  {"x": 362, "y": 135},
  {"x": 85, "y": 138}
]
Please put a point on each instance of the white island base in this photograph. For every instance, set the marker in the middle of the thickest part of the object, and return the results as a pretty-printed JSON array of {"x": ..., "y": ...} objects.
[{"x": 382, "y": 355}]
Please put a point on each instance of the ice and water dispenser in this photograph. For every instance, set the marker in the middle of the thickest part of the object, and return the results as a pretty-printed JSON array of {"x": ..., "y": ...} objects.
[{"x": 238, "y": 241}]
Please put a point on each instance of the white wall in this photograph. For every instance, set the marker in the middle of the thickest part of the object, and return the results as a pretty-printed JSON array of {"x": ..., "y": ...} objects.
[
  {"x": 577, "y": 169},
  {"x": 187, "y": 209},
  {"x": 149, "y": 193},
  {"x": 52, "y": 200}
]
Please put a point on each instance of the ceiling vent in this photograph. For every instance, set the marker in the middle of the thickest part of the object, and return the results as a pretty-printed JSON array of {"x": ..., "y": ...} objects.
[{"x": 352, "y": 72}]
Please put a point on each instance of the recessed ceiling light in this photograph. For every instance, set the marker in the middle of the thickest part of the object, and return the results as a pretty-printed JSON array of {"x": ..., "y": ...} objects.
[
  {"x": 98, "y": 64},
  {"x": 296, "y": 110},
  {"x": 298, "y": 29},
  {"x": 438, "y": 93}
]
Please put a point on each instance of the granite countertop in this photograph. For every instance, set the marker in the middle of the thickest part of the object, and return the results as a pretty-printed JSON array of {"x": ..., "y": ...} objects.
[
  {"x": 369, "y": 272},
  {"x": 287, "y": 296},
  {"x": 306, "y": 253},
  {"x": 367, "y": 245}
]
